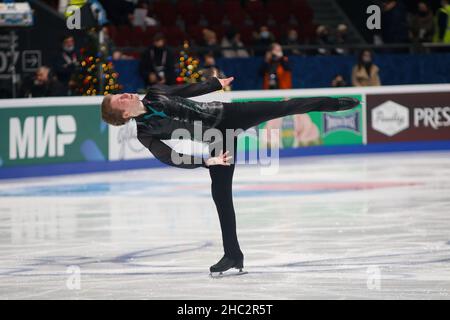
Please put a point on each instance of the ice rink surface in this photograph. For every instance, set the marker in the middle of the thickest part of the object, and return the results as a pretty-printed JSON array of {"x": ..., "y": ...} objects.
[{"x": 336, "y": 227}]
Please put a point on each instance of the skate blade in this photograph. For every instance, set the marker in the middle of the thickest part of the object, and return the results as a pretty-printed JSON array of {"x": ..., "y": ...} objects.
[{"x": 218, "y": 275}]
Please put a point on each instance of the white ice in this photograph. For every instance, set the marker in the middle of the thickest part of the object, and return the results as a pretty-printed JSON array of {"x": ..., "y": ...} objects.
[{"x": 335, "y": 227}]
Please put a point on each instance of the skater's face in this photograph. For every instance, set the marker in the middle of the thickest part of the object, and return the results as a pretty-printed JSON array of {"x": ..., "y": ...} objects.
[{"x": 127, "y": 103}]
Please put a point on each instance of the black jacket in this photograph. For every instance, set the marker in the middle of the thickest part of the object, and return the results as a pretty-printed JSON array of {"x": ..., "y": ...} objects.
[
  {"x": 168, "y": 110},
  {"x": 154, "y": 57}
]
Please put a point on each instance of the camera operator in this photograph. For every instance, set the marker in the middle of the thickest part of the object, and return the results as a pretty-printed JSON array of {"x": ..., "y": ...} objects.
[{"x": 276, "y": 70}]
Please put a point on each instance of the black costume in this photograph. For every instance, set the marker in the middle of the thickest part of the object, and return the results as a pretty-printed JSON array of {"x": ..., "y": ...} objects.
[{"x": 168, "y": 109}]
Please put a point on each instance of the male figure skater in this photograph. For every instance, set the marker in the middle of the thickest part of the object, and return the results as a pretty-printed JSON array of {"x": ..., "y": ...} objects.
[{"x": 166, "y": 108}]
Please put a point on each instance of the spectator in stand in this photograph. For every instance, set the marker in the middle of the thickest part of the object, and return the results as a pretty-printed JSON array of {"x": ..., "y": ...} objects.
[
  {"x": 365, "y": 73},
  {"x": 210, "y": 42},
  {"x": 263, "y": 39},
  {"x": 140, "y": 16},
  {"x": 118, "y": 11},
  {"x": 157, "y": 65},
  {"x": 338, "y": 81},
  {"x": 422, "y": 24},
  {"x": 43, "y": 84},
  {"x": 394, "y": 19},
  {"x": 292, "y": 40},
  {"x": 341, "y": 38},
  {"x": 442, "y": 32},
  {"x": 210, "y": 70},
  {"x": 323, "y": 38},
  {"x": 66, "y": 62},
  {"x": 232, "y": 39},
  {"x": 276, "y": 71}
]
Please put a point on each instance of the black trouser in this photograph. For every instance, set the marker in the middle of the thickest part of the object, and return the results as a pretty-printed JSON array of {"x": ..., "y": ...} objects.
[{"x": 244, "y": 115}]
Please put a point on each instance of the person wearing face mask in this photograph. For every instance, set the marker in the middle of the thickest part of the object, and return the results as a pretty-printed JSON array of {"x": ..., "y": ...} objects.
[
  {"x": 323, "y": 38},
  {"x": 422, "y": 24},
  {"x": 365, "y": 73},
  {"x": 67, "y": 61},
  {"x": 292, "y": 40},
  {"x": 341, "y": 37},
  {"x": 42, "y": 84},
  {"x": 276, "y": 70},
  {"x": 263, "y": 39},
  {"x": 157, "y": 65}
]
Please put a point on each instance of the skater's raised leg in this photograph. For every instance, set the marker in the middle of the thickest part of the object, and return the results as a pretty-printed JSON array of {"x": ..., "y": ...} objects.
[{"x": 244, "y": 115}]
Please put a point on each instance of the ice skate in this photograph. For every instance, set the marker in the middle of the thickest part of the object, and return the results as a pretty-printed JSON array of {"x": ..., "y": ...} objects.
[
  {"x": 347, "y": 103},
  {"x": 218, "y": 270}
]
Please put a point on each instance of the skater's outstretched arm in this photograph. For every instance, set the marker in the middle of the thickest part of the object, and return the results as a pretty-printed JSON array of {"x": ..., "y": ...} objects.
[
  {"x": 192, "y": 89},
  {"x": 165, "y": 154}
]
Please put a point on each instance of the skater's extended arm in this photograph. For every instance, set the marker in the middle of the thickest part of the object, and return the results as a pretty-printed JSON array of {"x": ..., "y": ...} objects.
[
  {"x": 167, "y": 155},
  {"x": 193, "y": 89}
]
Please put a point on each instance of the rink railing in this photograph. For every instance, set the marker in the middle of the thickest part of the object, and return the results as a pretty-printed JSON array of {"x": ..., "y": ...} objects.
[{"x": 52, "y": 136}]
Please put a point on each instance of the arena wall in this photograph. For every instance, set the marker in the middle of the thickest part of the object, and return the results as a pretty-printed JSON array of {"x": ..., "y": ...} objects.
[{"x": 56, "y": 136}]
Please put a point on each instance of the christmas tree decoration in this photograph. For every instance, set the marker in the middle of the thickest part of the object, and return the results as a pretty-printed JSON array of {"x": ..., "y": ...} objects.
[
  {"x": 95, "y": 74},
  {"x": 188, "y": 66}
]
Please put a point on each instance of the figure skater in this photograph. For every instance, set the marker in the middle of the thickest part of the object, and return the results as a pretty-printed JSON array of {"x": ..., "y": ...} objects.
[{"x": 166, "y": 108}]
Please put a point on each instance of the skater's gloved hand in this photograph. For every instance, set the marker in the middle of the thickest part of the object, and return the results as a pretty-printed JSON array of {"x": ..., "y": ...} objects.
[
  {"x": 226, "y": 82},
  {"x": 222, "y": 160}
]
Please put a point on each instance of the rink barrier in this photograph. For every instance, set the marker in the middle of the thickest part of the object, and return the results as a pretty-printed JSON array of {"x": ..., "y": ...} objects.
[
  {"x": 75, "y": 140},
  {"x": 110, "y": 166}
]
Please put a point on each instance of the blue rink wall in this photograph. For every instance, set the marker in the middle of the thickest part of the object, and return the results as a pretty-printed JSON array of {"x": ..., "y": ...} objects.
[{"x": 57, "y": 136}]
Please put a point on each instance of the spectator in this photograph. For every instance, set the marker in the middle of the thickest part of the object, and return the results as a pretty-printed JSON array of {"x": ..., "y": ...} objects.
[
  {"x": 422, "y": 24},
  {"x": 232, "y": 39},
  {"x": 43, "y": 84},
  {"x": 323, "y": 38},
  {"x": 442, "y": 34},
  {"x": 140, "y": 17},
  {"x": 292, "y": 40},
  {"x": 365, "y": 73},
  {"x": 263, "y": 39},
  {"x": 276, "y": 70},
  {"x": 341, "y": 38},
  {"x": 211, "y": 70},
  {"x": 210, "y": 42},
  {"x": 119, "y": 11},
  {"x": 157, "y": 65},
  {"x": 66, "y": 61},
  {"x": 338, "y": 81},
  {"x": 395, "y": 27}
]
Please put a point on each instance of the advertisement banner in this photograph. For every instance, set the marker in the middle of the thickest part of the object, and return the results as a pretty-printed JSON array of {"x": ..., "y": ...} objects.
[
  {"x": 48, "y": 135},
  {"x": 124, "y": 145},
  {"x": 408, "y": 117},
  {"x": 311, "y": 129}
]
